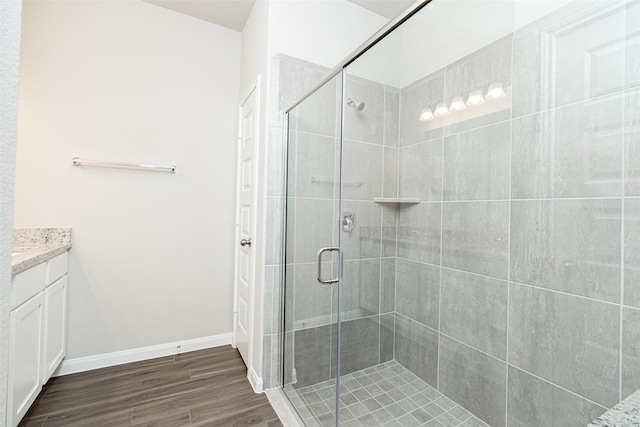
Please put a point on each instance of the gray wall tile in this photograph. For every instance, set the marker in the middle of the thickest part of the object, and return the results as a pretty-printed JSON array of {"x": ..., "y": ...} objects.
[
  {"x": 419, "y": 232},
  {"x": 308, "y": 298},
  {"x": 271, "y": 361},
  {"x": 312, "y": 355},
  {"x": 475, "y": 237},
  {"x": 275, "y": 118},
  {"x": 366, "y": 124},
  {"x": 534, "y": 402},
  {"x": 579, "y": 47},
  {"x": 362, "y": 171},
  {"x": 391, "y": 116},
  {"x": 388, "y": 293},
  {"x": 390, "y": 173},
  {"x": 387, "y": 326},
  {"x": 288, "y": 300},
  {"x": 630, "y": 351},
  {"x": 389, "y": 229},
  {"x": 476, "y": 164},
  {"x": 275, "y": 157},
  {"x": 359, "y": 345},
  {"x": 632, "y": 74},
  {"x": 274, "y": 233},
  {"x": 416, "y": 348},
  {"x": 570, "y": 341},
  {"x": 360, "y": 288},
  {"x": 632, "y": 252},
  {"x": 529, "y": 86},
  {"x": 290, "y": 79},
  {"x": 425, "y": 93},
  {"x": 568, "y": 245},
  {"x": 488, "y": 65},
  {"x": 288, "y": 360},
  {"x": 266, "y": 361},
  {"x": 276, "y": 360},
  {"x": 272, "y": 297},
  {"x": 474, "y": 311},
  {"x": 474, "y": 380},
  {"x": 294, "y": 78},
  {"x": 365, "y": 239},
  {"x": 320, "y": 112},
  {"x": 632, "y": 142},
  {"x": 575, "y": 151},
  {"x": 597, "y": 38},
  {"x": 311, "y": 157},
  {"x": 310, "y": 223},
  {"x": 420, "y": 171},
  {"x": 417, "y": 291}
]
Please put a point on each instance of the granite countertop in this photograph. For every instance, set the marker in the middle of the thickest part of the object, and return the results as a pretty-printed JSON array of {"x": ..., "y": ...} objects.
[
  {"x": 32, "y": 246},
  {"x": 624, "y": 414}
]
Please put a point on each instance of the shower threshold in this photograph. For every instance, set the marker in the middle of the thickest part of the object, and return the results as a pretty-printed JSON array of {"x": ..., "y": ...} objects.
[{"x": 383, "y": 395}]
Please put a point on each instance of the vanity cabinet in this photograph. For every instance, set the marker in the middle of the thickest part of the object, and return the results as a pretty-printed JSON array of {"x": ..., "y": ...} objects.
[
  {"x": 25, "y": 372},
  {"x": 55, "y": 327},
  {"x": 37, "y": 332}
]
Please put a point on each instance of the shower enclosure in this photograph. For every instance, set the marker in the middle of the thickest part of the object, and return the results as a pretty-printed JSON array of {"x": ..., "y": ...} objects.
[{"x": 462, "y": 220}]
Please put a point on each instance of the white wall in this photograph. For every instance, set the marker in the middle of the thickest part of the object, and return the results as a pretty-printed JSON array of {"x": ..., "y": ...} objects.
[
  {"x": 9, "y": 65},
  {"x": 152, "y": 257},
  {"x": 320, "y": 31}
]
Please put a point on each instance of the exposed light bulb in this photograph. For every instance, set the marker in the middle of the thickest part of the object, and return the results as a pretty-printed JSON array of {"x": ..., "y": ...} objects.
[
  {"x": 496, "y": 91},
  {"x": 475, "y": 98},
  {"x": 457, "y": 104},
  {"x": 426, "y": 115},
  {"x": 441, "y": 110}
]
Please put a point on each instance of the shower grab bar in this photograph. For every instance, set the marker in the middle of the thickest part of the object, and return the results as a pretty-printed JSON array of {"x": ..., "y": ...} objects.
[
  {"x": 77, "y": 161},
  {"x": 320, "y": 279},
  {"x": 315, "y": 180}
]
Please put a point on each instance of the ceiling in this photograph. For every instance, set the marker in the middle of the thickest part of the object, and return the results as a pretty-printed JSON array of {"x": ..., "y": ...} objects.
[
  {"x": 227, "y": 13},
  {"x": 234, "y": 13},
  {"x": 387, "y": 8}
]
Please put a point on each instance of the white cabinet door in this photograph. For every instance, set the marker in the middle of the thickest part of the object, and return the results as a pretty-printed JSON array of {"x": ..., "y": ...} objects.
[
  {"x": 25, "y": 357},
  {"x": 55, "y": 327}
]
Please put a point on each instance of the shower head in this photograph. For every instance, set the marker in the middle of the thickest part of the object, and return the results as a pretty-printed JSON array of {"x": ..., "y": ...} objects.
[{"x": 358, "y": 105}]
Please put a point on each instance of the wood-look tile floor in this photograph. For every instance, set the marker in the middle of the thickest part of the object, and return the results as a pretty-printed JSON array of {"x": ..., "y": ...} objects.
[{"x": 201, "y": 388}]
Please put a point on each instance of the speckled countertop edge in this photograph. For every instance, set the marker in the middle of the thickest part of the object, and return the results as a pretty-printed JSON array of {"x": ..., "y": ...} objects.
[
  {"x": 624, "y": 414},
  {"x": 37, "y": 245}
]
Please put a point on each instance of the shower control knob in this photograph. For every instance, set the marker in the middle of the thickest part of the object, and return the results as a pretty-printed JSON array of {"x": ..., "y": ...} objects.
[{"x": 245, "y": 242}]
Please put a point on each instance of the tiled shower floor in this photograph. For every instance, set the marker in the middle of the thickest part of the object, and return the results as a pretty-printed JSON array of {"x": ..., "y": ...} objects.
[{"x": 383, "y": 395}]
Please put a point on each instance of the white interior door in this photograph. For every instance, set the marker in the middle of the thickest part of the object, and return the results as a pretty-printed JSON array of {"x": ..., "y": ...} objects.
[{"x": 245, "y": 224}]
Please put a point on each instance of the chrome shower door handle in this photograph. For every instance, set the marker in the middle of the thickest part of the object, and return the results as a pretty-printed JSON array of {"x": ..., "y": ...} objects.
[{"x": 320, "y": 279}]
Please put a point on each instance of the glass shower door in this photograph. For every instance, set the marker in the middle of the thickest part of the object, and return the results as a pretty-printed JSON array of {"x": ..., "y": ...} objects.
[{"x": 312, "y": 251}]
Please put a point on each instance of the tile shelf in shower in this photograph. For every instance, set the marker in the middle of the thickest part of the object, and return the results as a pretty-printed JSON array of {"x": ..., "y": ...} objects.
[{"x": 398, "y": 200}]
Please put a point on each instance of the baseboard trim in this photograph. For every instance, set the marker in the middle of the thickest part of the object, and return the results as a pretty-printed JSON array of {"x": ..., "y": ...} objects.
[
  {"x": 82, "y": 364},
  {"x": 256, "y": 381}
]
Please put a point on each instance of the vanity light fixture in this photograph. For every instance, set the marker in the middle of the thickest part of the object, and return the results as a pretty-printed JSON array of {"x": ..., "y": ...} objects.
[
  {"x": 496, "y": 91},
  {"x": 426, "y": 115},
  {"x": 441, "y": 110},
  {"x": 457, "y": 104},
  {"x": 475, "y": 98}
]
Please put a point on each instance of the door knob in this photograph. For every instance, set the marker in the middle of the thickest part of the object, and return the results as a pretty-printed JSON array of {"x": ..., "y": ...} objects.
[{"x": 245, "y": 242}]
